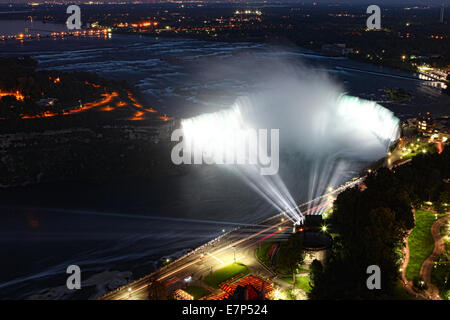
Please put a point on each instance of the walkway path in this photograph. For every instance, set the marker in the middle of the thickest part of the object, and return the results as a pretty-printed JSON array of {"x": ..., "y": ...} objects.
[
  {"x": 427, "y": 267},
  {"x": 407, "y": 284}
]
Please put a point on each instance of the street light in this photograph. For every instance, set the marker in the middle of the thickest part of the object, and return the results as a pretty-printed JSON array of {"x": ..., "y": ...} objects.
[
  {"x": 276, "y": 294},
  {"x": 324, "y": 228},
  {"x": 234, "y": 253}
]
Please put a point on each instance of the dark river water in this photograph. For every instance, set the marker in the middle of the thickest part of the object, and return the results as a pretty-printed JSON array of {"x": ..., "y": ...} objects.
[
  {"x": 15, "y": 27},
  {"x": 131, "y": 226}
]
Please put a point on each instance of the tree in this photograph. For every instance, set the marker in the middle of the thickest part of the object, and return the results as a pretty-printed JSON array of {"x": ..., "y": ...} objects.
[
  {"x": 370, "y": 226},
  {"x": 315, "y": 271},
  {"x": 290, "y": 254},
  {"x": 443, "y": 202}
]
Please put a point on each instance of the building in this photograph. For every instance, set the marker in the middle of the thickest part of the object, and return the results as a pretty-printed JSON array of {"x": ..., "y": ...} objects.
[
  {"x": 247, "y": 288},
  {"x": 180, "y": 294},
  {"x": 46, "y": 102},
  {"x": 425, "y": 123},
  {"x": 435, "y": 128},
  {"x": 247, "y": 292}
]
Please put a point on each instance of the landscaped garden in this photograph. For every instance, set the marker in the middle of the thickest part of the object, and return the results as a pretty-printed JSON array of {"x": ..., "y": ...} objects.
[
  {"x": 262, "y": 252},
  {"x": 420, "y": 242},
  {"x": 233, "y": 270},
  {"x": 196, "y": 291},
  {"x": 440, "y": 275},
  {"x": 268, "y": 255},
  {"x": 301, "y": 282}
]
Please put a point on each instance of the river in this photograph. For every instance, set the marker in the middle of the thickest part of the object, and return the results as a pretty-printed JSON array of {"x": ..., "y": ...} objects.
[{"x": 131, "y": 226}]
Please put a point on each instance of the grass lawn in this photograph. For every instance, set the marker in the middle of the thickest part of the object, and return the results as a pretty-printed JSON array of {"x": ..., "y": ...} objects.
[
  {"x": 196, "y": 291},
  {"x": 225, "y": 273},
  {"x": 301, "y": 282},
  {"x": 428, "y": 147},
  {"x": 261, "y": 252},
  {"x": 420, "y": 242}
]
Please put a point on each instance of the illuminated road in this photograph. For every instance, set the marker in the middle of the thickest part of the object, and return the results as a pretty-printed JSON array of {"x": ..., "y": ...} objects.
[
  {"x": 109, "y": 101},
  {"x": 236, "y": 245}
]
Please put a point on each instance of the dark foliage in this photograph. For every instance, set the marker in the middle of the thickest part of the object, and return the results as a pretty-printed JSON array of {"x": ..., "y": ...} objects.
[{"x": 371, "y": 225}]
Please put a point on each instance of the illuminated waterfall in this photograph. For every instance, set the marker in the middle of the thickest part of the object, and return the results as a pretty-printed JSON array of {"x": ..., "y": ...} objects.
[{"x": 331, "y": 130}]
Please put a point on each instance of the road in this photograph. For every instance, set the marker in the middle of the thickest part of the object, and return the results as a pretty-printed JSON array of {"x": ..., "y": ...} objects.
[{"x": 236, "y": 245}]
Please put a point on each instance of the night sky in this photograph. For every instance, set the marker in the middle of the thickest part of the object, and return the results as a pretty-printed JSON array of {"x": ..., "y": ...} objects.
[{"x": 377, "y": 2}]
